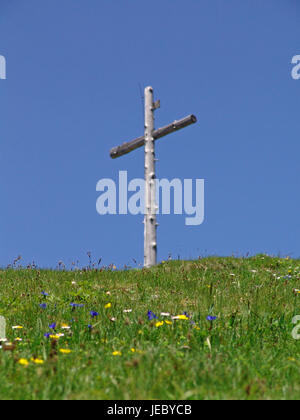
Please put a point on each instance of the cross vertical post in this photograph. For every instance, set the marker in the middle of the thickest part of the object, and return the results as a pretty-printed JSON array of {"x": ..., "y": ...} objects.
[
  {"x": 150, "y": 240},
  {"x": 148, "y": 141}
]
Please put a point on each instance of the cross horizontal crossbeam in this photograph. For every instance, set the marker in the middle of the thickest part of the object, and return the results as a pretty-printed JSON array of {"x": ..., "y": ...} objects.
[{"x": 157, "y": 134}]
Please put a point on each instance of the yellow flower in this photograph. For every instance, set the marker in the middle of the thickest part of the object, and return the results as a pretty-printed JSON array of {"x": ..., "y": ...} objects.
[
  {"x": 17, "y": 327},
  {"x": 55, "y": 337},
  {"x": 159, "y": 324},
  {"x": 37, "y": 361},
  {"x": 117, "y": 353},
  {"x": 65, "y": 327},
  {"x": 23, "y": 362},
  {"x": 18, "y": 339},
  {"x": 169, "y": 322},
  {"x": 107, "y": 306},
  {"x": 183, "y": 317},
  {"x": 65, "y": 351},
  {"x": 132, "y": 350}
]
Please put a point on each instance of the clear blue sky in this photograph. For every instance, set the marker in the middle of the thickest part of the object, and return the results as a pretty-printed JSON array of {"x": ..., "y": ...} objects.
[{"x": 72, "y": 92}]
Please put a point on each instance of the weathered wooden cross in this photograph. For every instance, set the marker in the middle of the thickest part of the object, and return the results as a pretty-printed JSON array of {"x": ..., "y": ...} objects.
[{"x": 150, "y": 241}]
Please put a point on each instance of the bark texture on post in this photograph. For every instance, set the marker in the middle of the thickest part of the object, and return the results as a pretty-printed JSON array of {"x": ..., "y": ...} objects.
[{"x": 150, "y": 250}]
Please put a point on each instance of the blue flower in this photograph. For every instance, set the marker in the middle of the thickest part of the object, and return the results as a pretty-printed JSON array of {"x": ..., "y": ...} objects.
[
  {"x": 151, "y": 315},
  {"x": 90, "y": 327},
  {"x": 52, "y": 326},
  {"x": 94, "y": 314},
  {"x": 76, "y": 305},
  {"x": 211, "y": 318},
  {"x": 44, "y": 293},
  {"x": 43, "y": 305},
  {"x": 47, "y": 335}
]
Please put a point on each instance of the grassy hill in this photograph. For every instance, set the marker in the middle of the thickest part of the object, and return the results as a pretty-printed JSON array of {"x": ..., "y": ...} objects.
[{"x": 248, "y": 352}]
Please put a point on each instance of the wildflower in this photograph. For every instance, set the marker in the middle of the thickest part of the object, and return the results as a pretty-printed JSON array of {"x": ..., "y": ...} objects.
[
  {"x": 94, "y": 314},
  {"x": 54, "y": 337},
  {"x": 296, "y": 291},
  {"x": 57, "y": 335},
  {"x": 165, "y": 314},
  {"x": 211, "y": 318},
  {"x": 90, "y": 327},
  {"x": 47, "y": 335},
  {"x": 117, "y": 353},
  {"x": 159, "y": 324},
  {"x": 23, "y": 362},
  {"x": 17, "y": 327},
  {"x": 65, "y": 351},
  {"x": 182, "y": 317},
  {"x": 76, "y": 305},
  {"x": 45, "y": 294},
  {"x": 37, "y": 361},
  {"x": 107, "y": 306},
  {"x": 151, "y": 316},
  {"x": 168, "y": 322},
  {"x": 43, "y": 305},
  {"x": 18, "y": 339},
  {"x": 132, "y": 350},
  {"x": 65, "y": 327},
  {"x": 52, "y": 326},
  {"x": 127, "y": 311}
]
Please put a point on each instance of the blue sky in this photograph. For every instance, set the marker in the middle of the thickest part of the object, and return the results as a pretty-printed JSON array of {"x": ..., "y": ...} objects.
[{"x": 72, "y": 92}]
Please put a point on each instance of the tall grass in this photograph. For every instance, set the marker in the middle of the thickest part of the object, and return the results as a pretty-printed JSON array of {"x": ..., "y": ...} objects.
[{"x": 247, "y": 353}]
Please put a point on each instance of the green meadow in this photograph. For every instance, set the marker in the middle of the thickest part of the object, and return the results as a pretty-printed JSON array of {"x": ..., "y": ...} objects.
[{"x": 108, "y": 345}]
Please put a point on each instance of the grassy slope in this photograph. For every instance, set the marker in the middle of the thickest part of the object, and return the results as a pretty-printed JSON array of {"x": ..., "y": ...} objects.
[{"x": 252, "y": 354}]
